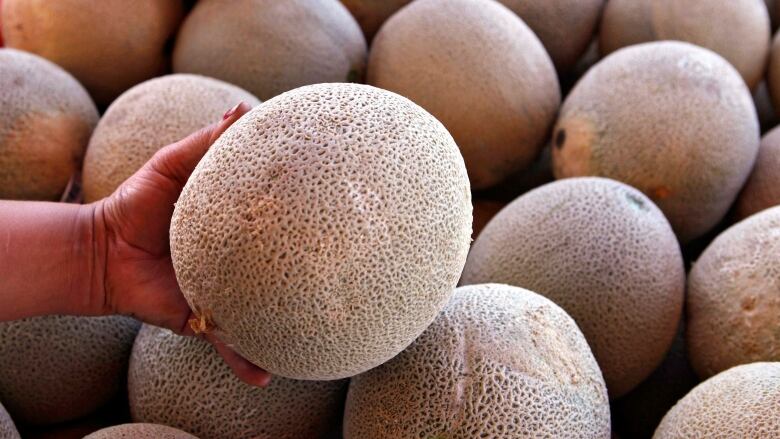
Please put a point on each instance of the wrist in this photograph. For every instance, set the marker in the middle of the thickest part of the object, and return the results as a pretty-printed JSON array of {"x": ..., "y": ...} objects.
[{"x": 90, "y": 253}]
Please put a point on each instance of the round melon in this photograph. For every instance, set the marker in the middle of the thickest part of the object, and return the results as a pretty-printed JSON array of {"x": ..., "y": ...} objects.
[
  {"x": 733, "y": 300},
  {"x": 741, "y": 402},
  {"x": 269, "y": 47},
  {"x": 58, "y": 368},
  {"x": 7, "y": 427},
  {"x": 498, "y": 362},
  {"x": 603, "y": 252},
  {"x": 371, "y": 14},
  {"x": 671, "y": 119},
  {"x": 738, "y": 30},
  {"x": 148, "y": 117},
  {"x": 140, "y": 431},
  {"x": 182, "y": 382},
  {"x": 481, "y": 71},
  {"x": 324, "y": 230},
  {"x": 762, "y": 189},
  {"x": 565, "y": 27},
  {"x": 108, "y": 45},
  {"x": 46, "y": 118}
]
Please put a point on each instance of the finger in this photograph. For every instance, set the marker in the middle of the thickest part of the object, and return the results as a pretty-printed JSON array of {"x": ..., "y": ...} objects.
[{"x": 241, "y": 367}]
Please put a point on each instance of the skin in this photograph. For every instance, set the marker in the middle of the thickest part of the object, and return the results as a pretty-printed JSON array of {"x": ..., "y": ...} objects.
[{"x": 110, "y": 256}]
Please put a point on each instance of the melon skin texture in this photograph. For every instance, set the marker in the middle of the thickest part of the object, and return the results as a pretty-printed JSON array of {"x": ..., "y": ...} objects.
[
  {"x": 58, "y": 368},
  {"x": 738, "y": 30},
  {"x": 324, "y": 230},
  {"x": 46, "y": 118},
  {"x": 140, "y": 431},
  {"x": 109, "y": 45},
  {"x": 603, "y": 252},
  {"x": 371, "y": 14},
  {"x": 671, "y": 119},
  {"x": 148, "y": 117},
  {"x": 762, "y": 189},
  {"x": 7, "y": 427},
  {"x": 481, "y": 71},
  {"x": 733, "y": 300},
  {"x": 268, "y": 47},
  {"x": 741, "y": 402},
  {"x": 498, "y": 362},
  {"x": 182, "y": 382}
]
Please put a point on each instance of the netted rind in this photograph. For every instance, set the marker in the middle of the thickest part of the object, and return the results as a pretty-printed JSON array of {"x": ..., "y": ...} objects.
[{"x": 140, "y": 431}]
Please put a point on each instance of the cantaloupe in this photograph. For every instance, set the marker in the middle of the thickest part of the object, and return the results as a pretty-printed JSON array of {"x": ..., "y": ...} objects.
[
  {"x": 603, "y": 252},
  {"x": 58, "y": 368},
  {"x": 269, "y": 47},
  {"x": 182, "y": 382},
  {"x": 733, "y": 300},
  {"x": 147, "y": 117},
  {"x": 738, "y": 30},
  {"x": 46, "y": 118},
  {"x": 498, "y": 362},
  {"x": 671, "y": 119},
  {"x": 762, "y": 189},
  {"x": 565, "y": 27},
  {"x": 109, "y": 45},
  {"x": 324, "y": 230},
  {"x": 741, "y": 402},
  {"x": 7, "y": 427},
  {"x": 140, "y": 431},
  {"x": 371, "y": 14},
  {"x": 481, "y": 71}
]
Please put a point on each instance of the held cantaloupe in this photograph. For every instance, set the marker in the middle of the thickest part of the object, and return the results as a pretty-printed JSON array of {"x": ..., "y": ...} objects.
[
  {"x": 182, "y": 382},
  {"x": 324, "y": 230},
  {"x": 7, "y": 427},
  {"x": 762, "y": 189},
  {"x": 741, "y": 402},
  {"x": 738, "y": 30},
  {"x": 498, "y": 362},
  {"x": 140, "y": 431},
  {"x": 371, "y": 14},
  {"x": 733, "y": 300},
  {"x": 671, "y": 119},
  {"x": 46, "y": 118},
  {"x": 268, "y": 47},
  {"x": 146, "y": 118},
  {"x": 109, "y": 45},
  {"x": 603, "y": 252},
  {"x": 58, "y": 368},
  {"x": 565, "y": 27},
  {"x": 481, "y": 71}
]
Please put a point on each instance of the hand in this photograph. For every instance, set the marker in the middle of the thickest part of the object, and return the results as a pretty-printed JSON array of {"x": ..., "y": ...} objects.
[{"x": 138, "y": 278}]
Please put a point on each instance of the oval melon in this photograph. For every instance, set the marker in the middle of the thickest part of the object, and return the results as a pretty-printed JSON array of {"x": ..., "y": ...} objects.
[
  {"x": 738, "y": 30},
  {"x": 481, "y": 71},
  {"x": 109, "y": 45},
  {"x": 182, "y": 382},
  {"x": 762, "y": 189},
  {"x": 58, "y": 368},
  {"x": 268, "y": 47},
  {"x": 671, "y": 119},
  {"x": 324, "y": 230},
  {"x": 46, "y": 118},
  {"x": 603, "y": 252},
  {"x": 140, "y": 431},
  {"x": 733, "y": 300},
  {"x": 148, "y": 117},
  {"x": 371, "y": 14},
  {"x": 7, "y": 427},
  {"x": 498, "y": 362},
  {"x": 741, "y": 402}
]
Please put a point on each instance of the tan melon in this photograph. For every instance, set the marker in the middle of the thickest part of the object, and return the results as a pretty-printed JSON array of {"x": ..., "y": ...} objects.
[
  {"x": 498, "y": 362},
  {"x": 46, "y": 118},
  {"x": 7, "y": 427},
  {"x": 741, "y": 402},
  {"x": 481, "y": 71},
  {"x": 597, "y": 248},
  {"x": 324, "y": 231},
  {"x": 147, "y": 117},
  {"x": 109, "y": 45},
  {"x": 371, "y": 14},
  {"x": 182, "y": 382},
  {"x": 762, "y": 189},
  {"x": 140, "y": 431},
  {"x": 738, "y": 30},
  {"x": 58, "y": 368},
  {"x": 671, "y": 119},
  {"x": 733, "y": 300},
  {"x": 268, "y": 47}
]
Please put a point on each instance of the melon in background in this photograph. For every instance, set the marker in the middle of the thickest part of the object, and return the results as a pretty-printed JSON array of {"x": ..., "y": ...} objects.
[
  {"x": 371, "y": 14},
  {"x": 140, "y": 431},
  {"x": 762, "y": 189}
]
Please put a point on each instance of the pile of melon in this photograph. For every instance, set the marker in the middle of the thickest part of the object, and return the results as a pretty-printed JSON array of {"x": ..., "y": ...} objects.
[{"x": 440, "y": 219}]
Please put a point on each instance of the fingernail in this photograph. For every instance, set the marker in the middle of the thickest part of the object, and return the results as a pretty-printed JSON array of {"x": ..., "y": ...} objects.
[{"x": 231, "y": 112}]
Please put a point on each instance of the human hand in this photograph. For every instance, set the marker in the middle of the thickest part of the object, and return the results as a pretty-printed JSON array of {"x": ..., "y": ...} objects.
[{"x": 132, "y": 233}]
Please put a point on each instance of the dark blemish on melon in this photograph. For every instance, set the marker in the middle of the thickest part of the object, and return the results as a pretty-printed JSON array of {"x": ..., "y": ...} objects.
[
  {"x": 560, "y": 138},
  {"x": 636, "y": 202}
]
